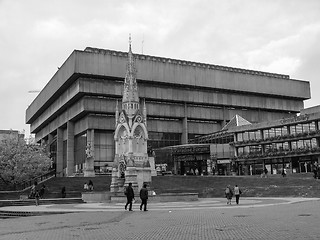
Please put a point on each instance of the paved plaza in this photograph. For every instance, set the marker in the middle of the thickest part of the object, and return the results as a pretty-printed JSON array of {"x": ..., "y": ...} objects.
[{"x": 254, "y": 218}]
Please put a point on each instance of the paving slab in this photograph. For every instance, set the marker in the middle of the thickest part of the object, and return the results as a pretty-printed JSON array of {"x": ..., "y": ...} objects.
[{"x": 254, "y": 218}]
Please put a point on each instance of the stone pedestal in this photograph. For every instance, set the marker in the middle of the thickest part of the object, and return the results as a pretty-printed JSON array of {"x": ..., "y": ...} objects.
[
  {"x": 89, "y": 168},
  {"x": 114, "y": 181},
  {"x": 131, "y": 177},
  {"x": 152, "y": 166}
]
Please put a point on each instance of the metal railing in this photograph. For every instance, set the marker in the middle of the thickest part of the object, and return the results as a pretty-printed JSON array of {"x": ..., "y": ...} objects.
[{"x": 26, "y": 184}]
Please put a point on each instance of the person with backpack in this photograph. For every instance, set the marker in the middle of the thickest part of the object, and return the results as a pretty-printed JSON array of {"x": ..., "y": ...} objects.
[
  {"x": 130, "y": 196},
  {"x": 228, "y": 193}
]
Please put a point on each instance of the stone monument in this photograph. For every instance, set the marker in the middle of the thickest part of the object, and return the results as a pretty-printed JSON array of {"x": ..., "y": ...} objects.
[
  {"x": 89, "y": 164},
  {"x": 131, "y": 162}
]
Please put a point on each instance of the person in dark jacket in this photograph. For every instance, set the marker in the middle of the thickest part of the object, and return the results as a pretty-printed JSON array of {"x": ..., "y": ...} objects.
[
  {"x": 144, "y": 197},
  {"x": 228, "y": 194},
  {"x": 63, "y": 192},
  {"x": 90, "y": 185},
  {"x": 42, "y": 190},
  {"x": 130, "y": 196}
]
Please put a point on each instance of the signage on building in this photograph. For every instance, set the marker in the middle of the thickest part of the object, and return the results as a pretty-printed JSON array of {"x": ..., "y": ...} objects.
[
  {"x": 191, "y": 150},
  {"x": 224, "y": 161},
  {"x": 295, "y": 119}
]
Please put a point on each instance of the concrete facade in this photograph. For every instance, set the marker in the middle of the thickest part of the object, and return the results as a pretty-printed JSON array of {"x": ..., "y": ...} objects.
[{"x": 183, "y": 100}]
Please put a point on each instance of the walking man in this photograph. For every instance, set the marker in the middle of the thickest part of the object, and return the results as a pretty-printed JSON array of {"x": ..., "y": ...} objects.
[
  {"x": 144, "y": 197},
  {"x": 130, "y": 196},
  {"x": 228, "y": 193},
  {"x": 237, "y": 193}
]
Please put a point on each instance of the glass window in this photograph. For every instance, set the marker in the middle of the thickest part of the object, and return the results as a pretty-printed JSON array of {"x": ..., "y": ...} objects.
[
  {"x": 272, "y": 132},
  {"x": 240, "y": 151},
  {"x": 239, "y": 137},
  {"x": 312, "y": 126},
  {"x": 284, "y": 130},
  {"x": 298, "y": 128},
  {"x": 285, "y": 146},
  {"x": 294, "y": 145},
  {"x": 258, "y": 134},
  {"x": 255, "y": 149},
  {"x": 314, "y": 143},
  {"x": 252, "y": 136},
  {"x": 293, "y": 129},
  {"x": 300, "y": 144},
  {"x": 278, "y": 131},
  {"x": 245, "y": 136},
  {"x": 266, "y": 133}
]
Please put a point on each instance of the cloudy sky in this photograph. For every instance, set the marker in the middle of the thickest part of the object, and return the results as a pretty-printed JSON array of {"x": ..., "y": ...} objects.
[{"x": 37, "y": 36}]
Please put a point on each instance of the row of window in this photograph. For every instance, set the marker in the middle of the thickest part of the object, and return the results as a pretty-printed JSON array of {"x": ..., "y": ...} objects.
[
  {"x": 279, "y": 131},
  {"x": 301, "y": 144}
]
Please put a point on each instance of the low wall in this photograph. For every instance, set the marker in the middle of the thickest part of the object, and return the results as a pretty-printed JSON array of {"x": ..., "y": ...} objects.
[{"x": 96, "y": 196}]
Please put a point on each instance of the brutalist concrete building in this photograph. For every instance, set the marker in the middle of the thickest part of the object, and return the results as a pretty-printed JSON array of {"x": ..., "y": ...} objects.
[{"x": 183, "y": 100}]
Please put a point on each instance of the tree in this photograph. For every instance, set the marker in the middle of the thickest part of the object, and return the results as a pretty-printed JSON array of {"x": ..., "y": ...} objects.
[{"x": 20, "y": 161}]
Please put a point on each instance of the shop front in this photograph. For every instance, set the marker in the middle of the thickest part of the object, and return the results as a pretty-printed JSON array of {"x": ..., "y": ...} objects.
[{"x": 192, "y": 159}]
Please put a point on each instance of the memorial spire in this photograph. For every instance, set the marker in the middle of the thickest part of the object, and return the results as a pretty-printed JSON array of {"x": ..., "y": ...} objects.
[{"x": 130, "y": 99}]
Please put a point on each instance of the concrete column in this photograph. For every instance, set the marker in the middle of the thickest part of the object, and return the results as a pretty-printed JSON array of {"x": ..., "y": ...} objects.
[
  {"x": 59, "y": 166},
  {"x": 263, "y": 148},
  {"x": 235, "y": 137},
  {"x": 70, "y": 148},
  {"x": 50, "y": 138},
  {"x": 289, "y": 142},
  {"x": 184, "y": 136},
  {"x": 224, "y": 113}
]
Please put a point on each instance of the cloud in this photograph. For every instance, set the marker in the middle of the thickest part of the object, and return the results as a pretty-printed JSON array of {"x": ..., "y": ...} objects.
[{"x": 37, "y": 36}]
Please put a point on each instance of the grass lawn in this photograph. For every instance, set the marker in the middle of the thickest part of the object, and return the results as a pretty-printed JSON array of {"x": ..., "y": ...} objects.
[{"x": 251, "y": 186}]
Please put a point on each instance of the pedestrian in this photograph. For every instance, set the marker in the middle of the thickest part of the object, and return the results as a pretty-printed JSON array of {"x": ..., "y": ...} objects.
[
  {"x": 33, "y": 189},
  {"x": 237, "y": 193},
  {"x": 90, "y": 185},
  {"x": 284, "y": 172},
  {"x": 37, "y": 197},
  {"x": 144, "y": 197},
  {"x": 63, "y": 192},
  {"x": 228, "y": 194},
  {"x": 130, "y": 196},
  {"x": 265, "y": 172},
  {"x": 85, "y": 186},
  {"x": 42, "y": 190}
]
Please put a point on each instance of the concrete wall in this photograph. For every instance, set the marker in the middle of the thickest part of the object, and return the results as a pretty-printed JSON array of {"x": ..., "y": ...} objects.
[{"x": 152, "y": 69}]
